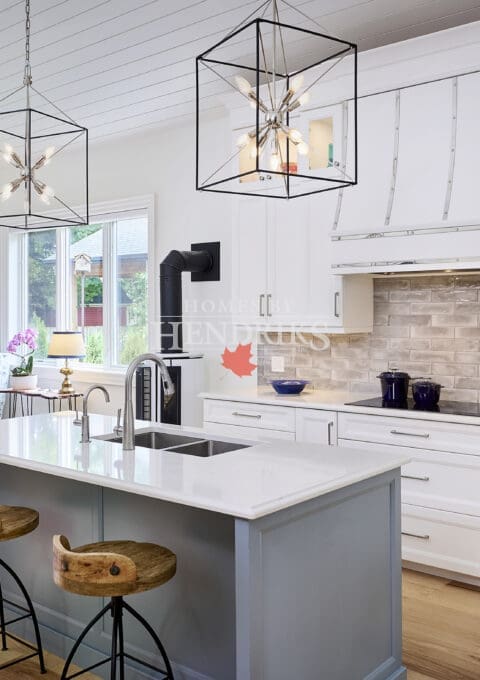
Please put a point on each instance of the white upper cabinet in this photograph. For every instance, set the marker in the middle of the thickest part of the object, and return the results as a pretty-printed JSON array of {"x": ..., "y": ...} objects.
[
  {"x": 465, "y": 200},
  {"x": 282, "y": 272},
  {"x": 426, "y": 120},
  {"x": 249, "y": 257},
  {"x": 364, "y": 206}
]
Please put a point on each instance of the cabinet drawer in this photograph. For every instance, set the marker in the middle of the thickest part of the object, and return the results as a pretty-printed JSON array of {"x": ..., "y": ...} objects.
[
  {"x": 433, "y": 479},
  {"x": 441, "y": 539},
  {"x": 421, "y": 434},
  {"x": 253, "y": 433},
  {"x": 261, "y": 416}
]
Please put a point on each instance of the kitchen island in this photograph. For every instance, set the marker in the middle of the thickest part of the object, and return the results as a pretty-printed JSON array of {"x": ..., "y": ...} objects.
[{"x": 288, "y": 554}]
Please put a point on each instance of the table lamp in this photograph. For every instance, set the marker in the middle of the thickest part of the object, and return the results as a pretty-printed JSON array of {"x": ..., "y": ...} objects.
[{"x": 66, "y": 345}]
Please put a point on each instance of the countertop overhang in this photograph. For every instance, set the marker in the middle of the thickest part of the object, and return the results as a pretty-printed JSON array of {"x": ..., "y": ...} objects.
[{"x": 248, "y": 483}]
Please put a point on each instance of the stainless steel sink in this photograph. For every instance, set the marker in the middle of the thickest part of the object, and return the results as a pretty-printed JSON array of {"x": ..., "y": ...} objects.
[
  {"x": 177, "y": 443},
  {"x": 153, "y": 439},
  {"x": 207, "y": 448}
]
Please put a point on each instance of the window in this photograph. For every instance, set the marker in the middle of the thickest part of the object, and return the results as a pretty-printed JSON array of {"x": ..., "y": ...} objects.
[{"x": 93, "y": 278}]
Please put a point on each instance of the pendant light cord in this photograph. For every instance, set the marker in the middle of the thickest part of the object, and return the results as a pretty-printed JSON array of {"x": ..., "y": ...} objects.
[{"x": 27, "y": 75}]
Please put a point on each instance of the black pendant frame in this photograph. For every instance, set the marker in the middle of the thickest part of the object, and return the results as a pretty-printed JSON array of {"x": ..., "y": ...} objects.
[
  {"x": 33, "y": 220},
  {"x": 206, "y": 58}
]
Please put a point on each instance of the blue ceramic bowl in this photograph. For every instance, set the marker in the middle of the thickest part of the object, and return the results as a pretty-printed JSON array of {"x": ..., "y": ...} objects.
[{"x": 289, "y": 386}]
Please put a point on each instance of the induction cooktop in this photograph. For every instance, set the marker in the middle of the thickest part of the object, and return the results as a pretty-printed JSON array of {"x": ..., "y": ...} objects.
[{"x": 456, "y": 408}]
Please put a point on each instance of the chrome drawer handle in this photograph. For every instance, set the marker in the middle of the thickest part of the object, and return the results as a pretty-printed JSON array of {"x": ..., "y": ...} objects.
[
  {"x": 423, "y": 435},
  {"x": 424, "y": 537},
  {"x": 420, "y": 479},
  {"x": 246, "y": 415}
]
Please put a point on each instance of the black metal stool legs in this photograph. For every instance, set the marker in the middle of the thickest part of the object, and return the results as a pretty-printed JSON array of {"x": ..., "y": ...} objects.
[
  {"x": 118, "y": 654},
  {"x": 155, "y": 638},
  {"x": 38, "y": 651},
  {"x": 77, "y": 644},
  {"x": 3, "y": 630}
]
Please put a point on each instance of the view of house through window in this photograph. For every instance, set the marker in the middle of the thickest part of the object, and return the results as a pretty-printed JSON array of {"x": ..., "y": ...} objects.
[{"x": 102, "y": 280}]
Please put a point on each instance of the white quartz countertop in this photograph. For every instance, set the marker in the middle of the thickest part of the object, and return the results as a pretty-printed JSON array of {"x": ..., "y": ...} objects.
[
  {"x": 247, "y": 483},
  {"x": 330, "y": 400}
]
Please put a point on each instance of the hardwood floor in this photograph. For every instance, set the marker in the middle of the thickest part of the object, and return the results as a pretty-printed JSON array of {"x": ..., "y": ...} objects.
[
  {"x": 441, "y": 629},
  {"x": 441, "y": 634},
  {"x": 27, "y": 670}
]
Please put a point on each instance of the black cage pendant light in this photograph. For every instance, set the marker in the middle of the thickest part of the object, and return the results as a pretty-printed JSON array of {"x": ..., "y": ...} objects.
[
  {"x": 43, "y": 159},
  {"x": 291, "y": 97}
]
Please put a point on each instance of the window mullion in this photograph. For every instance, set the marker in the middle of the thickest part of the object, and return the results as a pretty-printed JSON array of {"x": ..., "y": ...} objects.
[
  {"x": 63, "y": 293},
  {"x": 109, "y": 293}
]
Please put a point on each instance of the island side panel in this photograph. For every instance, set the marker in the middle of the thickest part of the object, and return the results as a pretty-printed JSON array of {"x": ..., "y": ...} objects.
[
  {"x": 319, "y": 588},
  {"x": 194, "y": 613},
  {"x": 66, "y": 507}
]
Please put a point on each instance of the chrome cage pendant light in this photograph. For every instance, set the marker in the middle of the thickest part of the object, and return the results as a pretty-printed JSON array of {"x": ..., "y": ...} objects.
[
  {"x": 43, "y": 160},
  {"x": 291, "y": 96}
]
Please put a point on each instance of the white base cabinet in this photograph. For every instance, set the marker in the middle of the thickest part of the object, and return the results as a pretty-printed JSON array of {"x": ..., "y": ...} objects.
[
  {"x": 440, "y": 498},
  {"x": 264, "y": 421}
]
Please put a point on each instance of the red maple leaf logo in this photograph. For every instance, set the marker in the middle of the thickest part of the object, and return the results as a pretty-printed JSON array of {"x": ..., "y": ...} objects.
[{"x": 238, "y": 361}]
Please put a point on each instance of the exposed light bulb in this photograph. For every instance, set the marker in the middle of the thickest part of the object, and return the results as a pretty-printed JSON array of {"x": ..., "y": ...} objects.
[
  {"x": 7, "y": 191},
  {"x": 296, "y": 83},
  {"x": 304, "y": 98},
  {"x": 253, "y": 152},
  {"x": 275, "y": 161},
  {"x": 302, "y": 148},
  {"x": 49, "y": 151},
  {"x": 243, "y": 85},
  {"x": 48, "y": 191},
  {"x": 295, "y": 135},
  {"x": 45, "y": 198}
]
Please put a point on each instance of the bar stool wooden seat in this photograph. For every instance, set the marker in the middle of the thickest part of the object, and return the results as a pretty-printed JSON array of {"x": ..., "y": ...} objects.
[
  {"x": 14, "y": 523},
  {"x": 113, "y": 569}
]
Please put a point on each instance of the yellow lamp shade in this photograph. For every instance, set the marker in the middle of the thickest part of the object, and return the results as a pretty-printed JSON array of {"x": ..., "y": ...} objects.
[{"x": 66, "y": 345}]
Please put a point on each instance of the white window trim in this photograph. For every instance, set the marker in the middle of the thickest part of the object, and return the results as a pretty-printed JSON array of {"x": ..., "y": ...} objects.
[{"x": 14, "y": 258}]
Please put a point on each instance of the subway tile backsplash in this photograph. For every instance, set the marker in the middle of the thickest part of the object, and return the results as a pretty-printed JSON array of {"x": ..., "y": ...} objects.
[{"x": 425, "y": 325}]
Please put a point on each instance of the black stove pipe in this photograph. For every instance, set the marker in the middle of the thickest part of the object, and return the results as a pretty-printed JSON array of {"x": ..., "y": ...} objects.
[{"x": 171, "y": 269}]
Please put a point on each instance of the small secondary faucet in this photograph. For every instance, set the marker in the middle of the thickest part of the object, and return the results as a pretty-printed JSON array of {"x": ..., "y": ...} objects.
[
  {"x": 85, "y": 417},
  {"x": 128, "y": 418}
]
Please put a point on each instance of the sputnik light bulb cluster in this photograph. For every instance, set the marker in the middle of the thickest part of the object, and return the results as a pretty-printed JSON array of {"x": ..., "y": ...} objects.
[
  {"x": 274, "y": 130},
  {"x": 45, "y": 192},
  {"x": 31, "y": 140}
]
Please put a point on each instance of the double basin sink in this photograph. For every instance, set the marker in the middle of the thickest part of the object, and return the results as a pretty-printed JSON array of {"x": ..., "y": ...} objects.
[{"x": 177, "y": 443}]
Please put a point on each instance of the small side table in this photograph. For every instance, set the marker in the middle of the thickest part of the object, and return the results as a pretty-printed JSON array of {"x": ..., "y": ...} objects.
[{"x": 23, "y": 400}]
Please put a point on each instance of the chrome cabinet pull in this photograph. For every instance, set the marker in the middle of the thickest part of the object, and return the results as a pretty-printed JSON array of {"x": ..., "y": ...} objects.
[
  {"x": 329, "y": 431},
  {"x": 423, "y": 435},
  {"x": 246, "y": 415},
  {"x": 335, "y": 304},
  {"x": 261, "y": 298},
  {"x": 420, "y": 479},
  {"x": 269, "y": 299},
  {"x": 424, "y": 537}
]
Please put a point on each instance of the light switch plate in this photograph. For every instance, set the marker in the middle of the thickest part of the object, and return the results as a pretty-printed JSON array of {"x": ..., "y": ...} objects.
[{"x": 278, "y": 364}]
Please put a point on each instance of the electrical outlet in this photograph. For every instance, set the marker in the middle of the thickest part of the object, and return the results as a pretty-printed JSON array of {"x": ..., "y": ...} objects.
[{"x": 278, "y": 364}]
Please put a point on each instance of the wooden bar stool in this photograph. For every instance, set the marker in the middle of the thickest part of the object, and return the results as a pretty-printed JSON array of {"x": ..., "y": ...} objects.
[
  {"x": 113, "y": 569},
  {"x": 16, "y": 522}
]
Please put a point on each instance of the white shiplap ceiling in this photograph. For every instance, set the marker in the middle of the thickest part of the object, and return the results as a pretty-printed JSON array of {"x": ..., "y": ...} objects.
[{"x": 117, "y": 66}]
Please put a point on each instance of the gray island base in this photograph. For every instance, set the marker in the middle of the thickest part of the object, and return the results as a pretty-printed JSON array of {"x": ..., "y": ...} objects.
[{"x": 309, "y": 592}]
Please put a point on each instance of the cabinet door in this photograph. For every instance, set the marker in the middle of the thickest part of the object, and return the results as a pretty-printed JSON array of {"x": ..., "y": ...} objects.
[
  {"x": 465, "y": 202},
  {"x": 316, "y": 427},
  {"x": 249, "y": 258},
  {"x": 300, "y": 281},
  {"x": 364, "y": 207},
  {"x": 423, "y": 155}
]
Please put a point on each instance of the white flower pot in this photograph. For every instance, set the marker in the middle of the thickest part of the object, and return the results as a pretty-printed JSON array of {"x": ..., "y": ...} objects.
[{"x": 23, "y": 382}]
